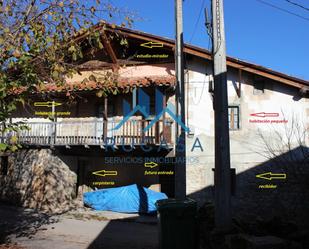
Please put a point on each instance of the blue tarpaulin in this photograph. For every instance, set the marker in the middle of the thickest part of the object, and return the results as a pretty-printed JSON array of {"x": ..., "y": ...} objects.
[{"x": 127, "y": 199}]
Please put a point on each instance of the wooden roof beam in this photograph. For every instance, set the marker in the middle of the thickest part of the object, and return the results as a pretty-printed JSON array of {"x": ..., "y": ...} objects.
[
  {"x": 264, "y": 74},
  {"x": 110, "y": 51}
]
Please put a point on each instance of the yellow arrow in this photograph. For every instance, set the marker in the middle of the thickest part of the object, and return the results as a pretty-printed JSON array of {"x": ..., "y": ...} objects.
[
  {"x": 152, "y": 44},
  {"x": 270, "y": 176},
  {"x": 150, "y": 165},
  {"x": 105, "y": 173},
  {"x": 47, "y": 104}
]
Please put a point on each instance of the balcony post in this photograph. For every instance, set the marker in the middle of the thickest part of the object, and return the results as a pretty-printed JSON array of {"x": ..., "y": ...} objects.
[
  {"x": 164, "y": 116},
  {"x": 157, "y": 132},
  {"x": 54, "y": 116},
  {"x": 105, "y": 119},
  {"x": 54, "y": 131}
]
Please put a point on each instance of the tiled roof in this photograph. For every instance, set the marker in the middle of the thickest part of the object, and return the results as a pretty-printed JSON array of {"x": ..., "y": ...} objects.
[{"x": 121, "y": 83}]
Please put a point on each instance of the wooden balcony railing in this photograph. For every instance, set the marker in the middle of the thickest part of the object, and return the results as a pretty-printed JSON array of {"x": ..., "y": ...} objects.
[{"x": 93, "y": 133}]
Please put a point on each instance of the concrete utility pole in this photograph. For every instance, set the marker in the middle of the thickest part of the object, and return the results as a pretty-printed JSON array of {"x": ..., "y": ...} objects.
[
  {"x": 223, "y": 218},
  {"x": 180, "y": 148}
]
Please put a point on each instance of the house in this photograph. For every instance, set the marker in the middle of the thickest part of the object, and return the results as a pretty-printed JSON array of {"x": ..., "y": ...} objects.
[{"x": 128, "y": 136}]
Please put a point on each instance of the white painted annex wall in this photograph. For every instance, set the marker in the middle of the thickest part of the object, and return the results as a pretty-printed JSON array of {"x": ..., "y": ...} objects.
[
  {"x": 201, "y": 123},
  {"x": 246, "y": 146}
]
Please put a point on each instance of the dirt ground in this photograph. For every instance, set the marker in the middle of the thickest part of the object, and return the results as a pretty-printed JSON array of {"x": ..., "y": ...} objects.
[
  {"x": 11, "y": 246},
  {"x": 80, "y": 229}
]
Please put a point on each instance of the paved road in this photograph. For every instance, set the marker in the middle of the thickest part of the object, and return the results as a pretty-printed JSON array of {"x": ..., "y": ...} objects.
[{"x": 62, "y": 232}]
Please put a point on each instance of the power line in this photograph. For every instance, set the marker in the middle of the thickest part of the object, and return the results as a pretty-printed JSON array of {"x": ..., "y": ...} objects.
[
  {"x": 297, "y": 4},
  {"x": 284, "y": 10},
  {"x": 197, "y": 21}
]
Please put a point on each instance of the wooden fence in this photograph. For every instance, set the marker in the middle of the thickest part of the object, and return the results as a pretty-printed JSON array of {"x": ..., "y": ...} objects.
[{"x": 93, "y": 133}]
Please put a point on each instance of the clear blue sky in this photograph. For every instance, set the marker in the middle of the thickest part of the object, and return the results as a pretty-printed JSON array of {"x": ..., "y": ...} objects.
[{"x": 255, "y": 32}]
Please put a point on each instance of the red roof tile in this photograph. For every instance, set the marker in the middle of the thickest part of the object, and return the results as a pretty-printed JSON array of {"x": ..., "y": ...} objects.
[{"x": 118, "y": 83}]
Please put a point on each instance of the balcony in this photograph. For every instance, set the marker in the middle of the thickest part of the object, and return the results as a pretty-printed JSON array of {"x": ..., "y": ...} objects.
[{"x": 87, "y": 133}]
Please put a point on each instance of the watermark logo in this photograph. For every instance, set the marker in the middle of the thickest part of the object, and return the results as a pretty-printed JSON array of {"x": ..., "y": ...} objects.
[{"x": 143, "y": 107}]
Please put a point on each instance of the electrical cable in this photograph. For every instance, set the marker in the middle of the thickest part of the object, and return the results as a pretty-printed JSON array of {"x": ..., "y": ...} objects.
[
  {"x": 197, "y": 21},
  {"x": 201, "y": 92},
  {"x": 297, "y": 4},
  {"x": 282, "y": 9}
]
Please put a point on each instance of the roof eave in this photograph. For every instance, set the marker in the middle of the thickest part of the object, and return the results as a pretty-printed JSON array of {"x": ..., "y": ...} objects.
[{"x": 205, "y": 54}]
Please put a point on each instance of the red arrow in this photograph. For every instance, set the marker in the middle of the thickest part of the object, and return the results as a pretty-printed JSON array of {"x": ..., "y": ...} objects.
[{"x": 265, "y": 114}]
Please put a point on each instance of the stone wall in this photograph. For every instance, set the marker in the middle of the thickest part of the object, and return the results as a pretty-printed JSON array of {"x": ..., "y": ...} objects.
[{"x": 40, "y": 180}]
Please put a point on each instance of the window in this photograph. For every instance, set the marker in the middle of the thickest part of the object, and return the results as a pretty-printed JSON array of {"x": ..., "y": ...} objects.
[
  {"x": 234, "y": 117},
  {"x": 4, "y": 165}
]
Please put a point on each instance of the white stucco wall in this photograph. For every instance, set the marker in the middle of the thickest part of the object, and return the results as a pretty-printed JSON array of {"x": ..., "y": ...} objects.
[{"x": 246, "y": 146}]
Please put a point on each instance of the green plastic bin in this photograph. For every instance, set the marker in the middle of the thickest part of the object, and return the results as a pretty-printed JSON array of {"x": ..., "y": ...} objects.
[{"x": 177, "y": 224}]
